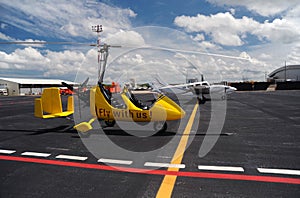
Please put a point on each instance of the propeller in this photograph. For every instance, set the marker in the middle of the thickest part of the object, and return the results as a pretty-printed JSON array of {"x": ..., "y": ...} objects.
[{"x": 80, "y": 88}]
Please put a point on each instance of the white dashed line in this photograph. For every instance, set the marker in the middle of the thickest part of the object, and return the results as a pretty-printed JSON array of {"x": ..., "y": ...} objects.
[
  {"x": 71, "y": 157},
  {"x": 279, "y": 171},
  {"x": 164, "y": 157},
  {"x": 156, "y": 164},
  {"x": 36, "y": 154},
  {"x": 4, "y": 151},
  {"x": 115, "y": 161},
  {"x": 221, "y": 168},
  {"x": 164, "y": 165}
]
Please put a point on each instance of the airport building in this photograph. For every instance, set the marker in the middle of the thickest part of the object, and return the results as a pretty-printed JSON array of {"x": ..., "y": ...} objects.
[
  {"x": 26, "y": 86},
  {"x": 285, "y": 73}
]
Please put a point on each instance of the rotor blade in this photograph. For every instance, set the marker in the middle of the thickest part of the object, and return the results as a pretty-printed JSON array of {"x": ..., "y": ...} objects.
[
  {"x": 185, "y": 51},
  {"x": 117, "y": 46},
  {"x": 54, "y": 43},
  {"x": 44, "y": 43}
]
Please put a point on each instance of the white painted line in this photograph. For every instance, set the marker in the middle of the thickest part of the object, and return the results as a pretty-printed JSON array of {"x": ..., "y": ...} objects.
[
  {"x": 164, "y": 165},
  {"x": 36, "y": 154},
  {"x": 71, "y": 157},
  {"x": 4, "y": 151},
  {"x": 221, "y": 168},
  {"x": 164, "y": 157},
  {"x": 279, "y": 171},
  {"x": 115, "y": 161}
]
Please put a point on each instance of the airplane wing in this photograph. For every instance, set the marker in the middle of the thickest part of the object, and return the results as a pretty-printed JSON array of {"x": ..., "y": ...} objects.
[{"x": 196, "y": 88}]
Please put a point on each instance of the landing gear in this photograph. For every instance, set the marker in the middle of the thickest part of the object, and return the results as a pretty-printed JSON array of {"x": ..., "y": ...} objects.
[
  {"x": 110, "y": 123},
  {"x": 160, "y": 126},
  {"x": 201, "y": 99}
]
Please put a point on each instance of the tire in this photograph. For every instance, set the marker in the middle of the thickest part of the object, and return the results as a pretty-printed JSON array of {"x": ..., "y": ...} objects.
[
  {"x": 201, "y": 101},
  {"x": 110, "y": 123}
]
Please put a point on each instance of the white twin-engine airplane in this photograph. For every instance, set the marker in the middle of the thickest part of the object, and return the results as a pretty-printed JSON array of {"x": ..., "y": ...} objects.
[{"x": 202, "y": 89}]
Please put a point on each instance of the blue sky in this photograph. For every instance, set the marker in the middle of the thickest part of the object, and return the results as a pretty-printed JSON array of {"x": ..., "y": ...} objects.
[{"x": 267, "y": 33}]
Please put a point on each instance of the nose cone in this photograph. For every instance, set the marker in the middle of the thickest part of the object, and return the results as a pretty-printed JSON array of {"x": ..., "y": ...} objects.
[
  {"x": 167, "y": 108},
  {"x": 231, "y": 89},
  {"x": 175, "y": 113}
]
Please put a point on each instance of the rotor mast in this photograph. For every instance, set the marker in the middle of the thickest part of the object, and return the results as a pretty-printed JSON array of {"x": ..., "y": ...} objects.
[{"x": 102, "y": 53}]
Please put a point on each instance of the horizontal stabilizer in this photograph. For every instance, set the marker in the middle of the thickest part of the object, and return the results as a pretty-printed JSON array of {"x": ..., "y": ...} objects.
[{"x": 50, "y": 105}]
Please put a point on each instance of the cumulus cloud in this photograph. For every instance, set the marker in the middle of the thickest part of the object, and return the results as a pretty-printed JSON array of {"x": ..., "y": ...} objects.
[
  {"x": 50, "y": 64},
  {"x": 125, "y": 38},
  {"x": 264, "y": 8},
  {"x": 277, "y": 38},
  {"x": 5, "y": 37},
  {"x": 70, "y": 20},
  {"x": 227, "y": 30},
  {"x": 62, "y": 19}
]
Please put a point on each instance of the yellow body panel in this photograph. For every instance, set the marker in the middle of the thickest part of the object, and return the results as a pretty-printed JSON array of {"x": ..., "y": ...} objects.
[
  {"x": 164, "y": 109},
  {"x": 50, "y": 105}
]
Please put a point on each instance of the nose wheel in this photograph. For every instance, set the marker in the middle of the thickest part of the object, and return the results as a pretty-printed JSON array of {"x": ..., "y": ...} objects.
[{"x": 201, "y": 100}]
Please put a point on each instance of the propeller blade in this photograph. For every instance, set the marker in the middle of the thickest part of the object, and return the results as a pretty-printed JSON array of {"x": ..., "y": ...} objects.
[{"x": 68, "y": 86}]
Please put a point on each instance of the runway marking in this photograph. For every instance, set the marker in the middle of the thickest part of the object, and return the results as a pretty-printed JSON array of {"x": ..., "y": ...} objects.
[
  {"x": 36, "y": 154},
  {"x": 168, "y": 165},
  {"x": 221, "y": 168},
  {"x": 164, "y": 157},
  {"x": 60, "y": 149},
  {"x": 115, "y": 161},
  {"x": 167, "y": 185},
  {"x": 71, "y": 157},
  {"x": 4, "y": 151},
  {"x": 279, "y": 171},
  {"x": 238, "y": 177}
]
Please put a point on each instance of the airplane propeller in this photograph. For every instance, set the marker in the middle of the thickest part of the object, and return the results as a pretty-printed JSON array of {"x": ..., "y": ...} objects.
[{"x": 82, "y": 91}]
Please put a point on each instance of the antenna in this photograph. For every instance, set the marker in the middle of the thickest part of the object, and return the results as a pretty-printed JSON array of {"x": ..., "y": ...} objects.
[
  {"x": 102, "y": 53},
  {"x": 98, "y": 29}
]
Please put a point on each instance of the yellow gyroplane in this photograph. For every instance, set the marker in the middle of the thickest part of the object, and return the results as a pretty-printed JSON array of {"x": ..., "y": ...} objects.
[{"x": 161, "y": 110}]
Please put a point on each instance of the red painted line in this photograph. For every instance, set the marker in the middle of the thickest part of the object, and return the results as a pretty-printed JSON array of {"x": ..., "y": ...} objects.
[{"x": 256, "y": 178}]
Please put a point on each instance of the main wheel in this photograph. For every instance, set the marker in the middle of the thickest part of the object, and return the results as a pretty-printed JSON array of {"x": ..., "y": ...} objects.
[{"x": 110, "y": 123}]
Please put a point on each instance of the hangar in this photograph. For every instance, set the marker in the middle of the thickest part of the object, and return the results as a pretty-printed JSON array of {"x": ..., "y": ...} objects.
[
  {"x": 285, "y": 73},
  {"x": 28, "y": 86}
]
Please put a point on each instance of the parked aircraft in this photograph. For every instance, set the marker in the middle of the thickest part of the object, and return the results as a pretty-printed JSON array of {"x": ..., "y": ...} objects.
[{"x": 202, "y": 89}]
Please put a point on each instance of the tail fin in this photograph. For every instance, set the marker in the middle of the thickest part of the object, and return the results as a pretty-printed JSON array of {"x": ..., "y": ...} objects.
[{"x": 202, "y": 78}]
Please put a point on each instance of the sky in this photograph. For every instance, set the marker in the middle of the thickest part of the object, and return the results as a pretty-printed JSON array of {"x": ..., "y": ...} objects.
[{"x": 226, "y": 40}]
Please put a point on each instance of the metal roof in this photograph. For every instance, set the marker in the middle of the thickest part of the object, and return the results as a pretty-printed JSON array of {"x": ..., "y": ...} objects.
[
  {"x": 37, "y": 81},
  {"x": 288, "y": 67}
]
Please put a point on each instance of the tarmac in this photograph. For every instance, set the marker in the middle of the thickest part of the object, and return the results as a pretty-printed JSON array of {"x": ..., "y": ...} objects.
[{"x": 254, "y": 154}]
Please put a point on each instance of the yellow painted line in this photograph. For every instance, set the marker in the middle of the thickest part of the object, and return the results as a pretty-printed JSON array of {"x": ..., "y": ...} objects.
[{"x": 167, "y": 185}]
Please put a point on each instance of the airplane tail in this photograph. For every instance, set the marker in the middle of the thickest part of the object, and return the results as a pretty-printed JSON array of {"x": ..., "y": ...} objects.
[{"x": 202, "y": 78}]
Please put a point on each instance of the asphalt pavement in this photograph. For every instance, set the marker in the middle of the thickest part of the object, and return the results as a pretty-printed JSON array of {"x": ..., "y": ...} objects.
[{"x": 255, "y": 153}]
